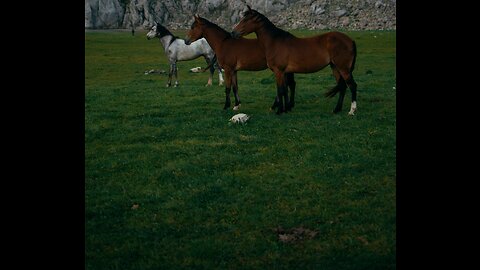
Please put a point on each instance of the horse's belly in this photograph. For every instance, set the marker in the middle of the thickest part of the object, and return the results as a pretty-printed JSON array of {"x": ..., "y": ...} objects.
[
  {"x": 305, "y": 62},
  {"x": 251, "y": 66},
  {"x": 298, "y": 68},
  {"x": 307, "y": 65}
]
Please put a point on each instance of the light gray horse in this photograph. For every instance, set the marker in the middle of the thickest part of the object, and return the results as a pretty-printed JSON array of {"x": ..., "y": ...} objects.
[{"x": 176, "y": 50}]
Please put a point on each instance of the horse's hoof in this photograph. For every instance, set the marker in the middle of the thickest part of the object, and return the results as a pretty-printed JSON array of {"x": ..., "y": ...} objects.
[
  {"x": 168, "y": 85},
  {"x": 236, "y": 107},
  {"x": 351, "y": 113}
]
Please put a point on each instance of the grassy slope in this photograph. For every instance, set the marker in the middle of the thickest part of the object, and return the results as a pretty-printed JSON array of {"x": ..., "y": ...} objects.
[{"x": 210, "y": 193}]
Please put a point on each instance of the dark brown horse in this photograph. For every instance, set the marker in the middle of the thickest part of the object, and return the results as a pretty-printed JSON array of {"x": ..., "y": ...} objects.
[
  {"x": 286, "y": 53},
  {"x": 233, "y": 55}
]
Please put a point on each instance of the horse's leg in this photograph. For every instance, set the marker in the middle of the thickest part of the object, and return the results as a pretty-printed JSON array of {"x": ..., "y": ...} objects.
[
  {"x": 340, "y": 87},
  {"x": 353, "y": 88},
  {"x": 228, "y": 84},
  {"x": 220, "y": 76},
  {"x": 212, "y": 70},
  {"x": 170, "y": 73},
  {"x": 290, "y": 82},
  {"x": 235, "y": 91},
  {"x": 281, "y": 89},
  {"x": 276, "y": 101},
  {"x": 210, "y": 77},
  {"x": 348, "y": 77},
  {"x": 277, "y": 98},
  {"x": 175, "y": 73}
]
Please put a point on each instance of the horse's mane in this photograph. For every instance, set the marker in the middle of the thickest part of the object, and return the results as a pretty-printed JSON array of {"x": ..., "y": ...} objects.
[
  {"x": 165, "y": 32},
  {"x": 211, "y": 24},
  {"x": 275, "y": 31}
]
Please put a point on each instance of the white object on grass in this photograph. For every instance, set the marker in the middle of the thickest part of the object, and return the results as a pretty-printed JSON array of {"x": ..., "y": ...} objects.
[
  {"x": 196, "y": 69},
  {"x": 239, "y": 118}
]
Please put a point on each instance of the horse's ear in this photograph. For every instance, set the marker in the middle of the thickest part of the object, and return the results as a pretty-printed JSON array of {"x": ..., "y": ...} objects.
[
  {"x": 197, "y": 18},
  {"x": 249, "y": 8}
]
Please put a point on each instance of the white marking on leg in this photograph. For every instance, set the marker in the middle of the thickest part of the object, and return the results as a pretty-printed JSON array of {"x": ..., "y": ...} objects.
[
  {"x": 209, "y": 82},
  {"x": 220, "y": 78},
  {"x": 235, "y": 108},
  {"x": 353, "y": 108}
]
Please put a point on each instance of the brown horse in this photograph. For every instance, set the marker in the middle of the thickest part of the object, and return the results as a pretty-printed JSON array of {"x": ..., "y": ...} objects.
[
  {"x": 233, "y": 55},
  {"x": 286, "y": 53}
]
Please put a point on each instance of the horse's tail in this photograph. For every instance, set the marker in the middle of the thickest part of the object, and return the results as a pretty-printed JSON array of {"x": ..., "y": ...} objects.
[
  {"x": 332, "y": 92},
  {"x": 354, "y": 55},
  {"x": 214, "y": 60}
]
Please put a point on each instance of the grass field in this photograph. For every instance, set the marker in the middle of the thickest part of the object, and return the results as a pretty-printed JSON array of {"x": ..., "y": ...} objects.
[{"x": 170, "y": 184}]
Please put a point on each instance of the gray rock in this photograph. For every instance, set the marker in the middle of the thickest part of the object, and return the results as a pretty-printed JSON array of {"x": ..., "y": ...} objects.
[
  {"x": 344, "y": 21},
  {"x": 340, "y": 13},
  {"x": 361, "y": 14},
  {"x": 213, "y": 4}
]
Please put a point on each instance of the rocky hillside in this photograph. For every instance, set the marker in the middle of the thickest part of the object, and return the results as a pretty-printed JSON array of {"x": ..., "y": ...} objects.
[{"x": 289, "y": 14}]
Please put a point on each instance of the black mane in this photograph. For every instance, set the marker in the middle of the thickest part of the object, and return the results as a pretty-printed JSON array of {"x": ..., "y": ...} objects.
[
  {"x": 275, "y": 31},
  {"x": 165, "y": 32},
  {"x": 209, "y": 23}
]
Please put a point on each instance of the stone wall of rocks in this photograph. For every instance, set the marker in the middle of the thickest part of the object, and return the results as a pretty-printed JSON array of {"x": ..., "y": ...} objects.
[{"x": 288, "y": 14}]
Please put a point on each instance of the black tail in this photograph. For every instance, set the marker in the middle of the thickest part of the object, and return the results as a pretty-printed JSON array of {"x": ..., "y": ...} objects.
[
  {"x": 214, "y": 60},
  {"x": 332, "y": 92},
  {"x": 354, "y": 56}
]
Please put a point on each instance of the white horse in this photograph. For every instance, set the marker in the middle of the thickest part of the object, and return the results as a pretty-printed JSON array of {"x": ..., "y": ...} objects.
[{"x": 176, "y": 50}]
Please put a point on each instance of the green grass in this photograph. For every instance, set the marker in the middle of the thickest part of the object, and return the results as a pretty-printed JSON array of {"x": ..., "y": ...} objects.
[{"x": 210, "y": 193}]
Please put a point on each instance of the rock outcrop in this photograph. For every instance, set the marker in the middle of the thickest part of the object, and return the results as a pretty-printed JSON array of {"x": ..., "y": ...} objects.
[{"x": 289, "y": 14}]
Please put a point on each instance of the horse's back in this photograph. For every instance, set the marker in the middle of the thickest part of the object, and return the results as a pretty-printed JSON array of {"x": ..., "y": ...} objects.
[
  {"x": 310, "y": 54},
  {"x": 196, "y": 49}
]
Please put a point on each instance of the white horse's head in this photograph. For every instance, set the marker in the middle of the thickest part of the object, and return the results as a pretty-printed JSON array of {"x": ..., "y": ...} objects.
[
  {"x": 153, "y": 32},
  {"x": 159, "y": 31}
]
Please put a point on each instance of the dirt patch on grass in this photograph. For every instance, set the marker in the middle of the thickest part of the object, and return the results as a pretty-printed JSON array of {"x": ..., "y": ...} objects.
[{"x": 294, "y": 235}]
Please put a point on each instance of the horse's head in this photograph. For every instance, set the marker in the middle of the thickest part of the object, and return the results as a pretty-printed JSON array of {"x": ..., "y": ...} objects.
[
  {"x": 158, "y": 30},
  {"x": 251, "y": 22},
  {"x": 152, "y": 33},
  {"x": 196, "y": 30}
]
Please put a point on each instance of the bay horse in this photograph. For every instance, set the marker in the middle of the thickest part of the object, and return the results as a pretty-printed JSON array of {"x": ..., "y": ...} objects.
[
  {"x": 233, "y": 55},
  {"x": 286, "y": 53},
  {"x": 176, "y": 50}
]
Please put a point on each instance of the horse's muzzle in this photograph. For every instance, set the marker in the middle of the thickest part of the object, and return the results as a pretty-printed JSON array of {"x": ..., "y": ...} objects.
[{"x": 187, "y": 41}]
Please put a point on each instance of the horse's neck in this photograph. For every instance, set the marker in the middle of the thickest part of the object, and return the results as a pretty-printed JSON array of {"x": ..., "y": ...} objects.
[
  {"x": 215, "y": 37},
  {"x": 265, "y": 35},
  {"x": 166, "y": 40}
]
